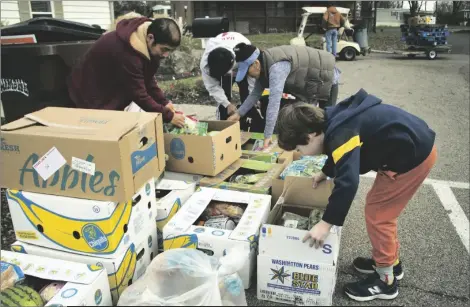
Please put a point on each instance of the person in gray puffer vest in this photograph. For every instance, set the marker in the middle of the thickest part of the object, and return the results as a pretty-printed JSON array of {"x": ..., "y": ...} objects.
[{"x": 304, "y": 72}]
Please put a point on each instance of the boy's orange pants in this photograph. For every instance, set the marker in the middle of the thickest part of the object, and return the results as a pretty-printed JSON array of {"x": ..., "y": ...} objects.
[{"x": 385, "y": 201}]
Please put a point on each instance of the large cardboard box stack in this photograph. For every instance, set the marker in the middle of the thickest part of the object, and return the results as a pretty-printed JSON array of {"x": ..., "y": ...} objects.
[
  {"x": 190, "y": 228},
  {"x": 81, "y": 185},
  {"x": 85, "y": 285},
  {"x": 290, "y": 271}
]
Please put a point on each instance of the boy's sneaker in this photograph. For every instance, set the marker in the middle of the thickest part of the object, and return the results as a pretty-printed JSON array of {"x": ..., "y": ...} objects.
[
  {"x": 367, "y": 266},
  {"x": 371, "y": 288}
]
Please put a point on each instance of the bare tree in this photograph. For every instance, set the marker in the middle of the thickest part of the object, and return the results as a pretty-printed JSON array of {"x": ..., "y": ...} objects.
[
  {"x": 415, "y": 7},
  {"x": 389, "y": 4}
]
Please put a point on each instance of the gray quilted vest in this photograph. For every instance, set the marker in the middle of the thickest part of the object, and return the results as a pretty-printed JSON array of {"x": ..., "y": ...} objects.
[{"x": 311, "y": 75}]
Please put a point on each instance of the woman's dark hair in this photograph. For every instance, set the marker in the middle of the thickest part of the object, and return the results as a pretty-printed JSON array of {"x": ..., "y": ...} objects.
[
  {"x": 296, "y": 121},
  {"x": 220, "y": 61},
  {"x": 165, "y": 32}
]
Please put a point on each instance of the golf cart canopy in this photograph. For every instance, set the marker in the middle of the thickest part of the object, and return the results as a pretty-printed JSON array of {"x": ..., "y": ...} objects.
[{"x": 322, "y": 9}]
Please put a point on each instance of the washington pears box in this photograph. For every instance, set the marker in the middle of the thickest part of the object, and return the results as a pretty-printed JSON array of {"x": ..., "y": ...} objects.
[
  {"x": 90, "y": 154},
  {"x": 88, "y": 227}
]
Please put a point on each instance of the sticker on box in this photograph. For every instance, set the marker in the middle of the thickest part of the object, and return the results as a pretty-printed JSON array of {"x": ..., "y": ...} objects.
[{"x": 50, "y": 163}]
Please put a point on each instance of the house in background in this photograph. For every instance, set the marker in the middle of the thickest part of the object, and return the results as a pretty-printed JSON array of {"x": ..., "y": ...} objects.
[
  {"x": 394, "y": 17},
  {"x": 161, "y": 10},
  {"x": 89, "y": 12}
]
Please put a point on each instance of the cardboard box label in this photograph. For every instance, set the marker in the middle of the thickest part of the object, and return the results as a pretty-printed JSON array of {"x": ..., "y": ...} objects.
[
  {"x": 50, "y": 163},
  {"x": 83, "y": 166},
  {"x": 140, "y": 158},
  {"x": 177, "y": 149}
]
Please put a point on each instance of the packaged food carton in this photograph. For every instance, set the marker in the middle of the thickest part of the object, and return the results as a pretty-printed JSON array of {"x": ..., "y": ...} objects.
[
  {"x": 290, "y": 271},
  {"x": 204, "y": 155},
  {"x": 214, "y": 221},
  {"x": 89, "y": 227},
  {"x": 89, "y": 154},
  {"x": 54, "y": 282},
  {"x": 122, "y": 270}
]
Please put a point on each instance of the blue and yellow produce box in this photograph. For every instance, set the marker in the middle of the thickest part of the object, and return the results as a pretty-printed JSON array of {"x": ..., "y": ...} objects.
[
  {"x": 89, "y": 227},
  {"x": 214, "y": 220},
  {"x": 90, "y": 154},
  {"x": 246, "y": 176},
  {"x": 122, "y": 270},
  {"x": 172, "y": 191},
  {"x": 53, "y": 282}
]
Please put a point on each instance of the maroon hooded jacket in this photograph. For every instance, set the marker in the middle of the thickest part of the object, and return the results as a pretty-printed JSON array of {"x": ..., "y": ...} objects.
[{"x": 117, "y": 70}]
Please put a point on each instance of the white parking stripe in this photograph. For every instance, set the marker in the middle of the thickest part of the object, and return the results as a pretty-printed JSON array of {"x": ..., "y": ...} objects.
[
  {"x": 452, "y": 184},
  {"x": 456, "y": 214}
]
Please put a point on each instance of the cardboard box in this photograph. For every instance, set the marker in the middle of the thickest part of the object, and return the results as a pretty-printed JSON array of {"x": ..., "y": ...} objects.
[
  {"x": 272, "y": 154},
  {"x": 290, "y": 271},
  {"x": 88, "y": 227},
  {"x": 172, "y": 191},
  {"x": 86, "y": 285},
  {"x": 90, "y": 154},
  {"x": 122, "y": 270},
  {"x": 298, "y": 190},
  {"x": 245, "y": 167},
  {"x": 204, "y": 155},
  {"x": 180, "y": 232}
]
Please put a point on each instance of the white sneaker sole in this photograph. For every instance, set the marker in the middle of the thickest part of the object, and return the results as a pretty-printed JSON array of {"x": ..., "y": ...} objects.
[
  {"x": 370, "y": 298},
  {"x": 398, "y": 277}
]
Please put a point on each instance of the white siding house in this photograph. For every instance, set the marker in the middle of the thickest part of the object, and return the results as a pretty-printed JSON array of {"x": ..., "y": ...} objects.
[
  {"x": 90, "y": 12},
  {"x": 10, "y": 13}
]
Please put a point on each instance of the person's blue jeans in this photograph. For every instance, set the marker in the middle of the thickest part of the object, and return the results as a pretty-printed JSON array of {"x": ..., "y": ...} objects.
[{"x": 331, "y": 37}]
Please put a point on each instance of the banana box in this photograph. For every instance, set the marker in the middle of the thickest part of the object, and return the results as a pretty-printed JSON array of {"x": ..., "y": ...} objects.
[
  {"x": 85, "y": 285},
  {"x": 122, "y": 270},
  {"x": 172, "y": 191},
  {"x": 90, "y": 154},
  {"x": 98, "y": 228},
  {"x": 185, "y": 229}
]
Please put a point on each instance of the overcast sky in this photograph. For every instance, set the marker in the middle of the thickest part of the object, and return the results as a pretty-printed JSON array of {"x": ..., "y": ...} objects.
[{"x": 430, "y": 5}]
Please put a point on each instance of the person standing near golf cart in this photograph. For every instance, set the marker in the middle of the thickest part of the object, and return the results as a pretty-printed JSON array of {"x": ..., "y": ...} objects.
[
  {"x": 304, "y": 72},
  {"x": 217, "y": 61},
  {"x": 332, "y": 20}
]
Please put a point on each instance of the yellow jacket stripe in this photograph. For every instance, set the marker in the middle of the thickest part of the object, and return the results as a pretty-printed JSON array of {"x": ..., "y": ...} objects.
[{"x": 339, "y": 152}]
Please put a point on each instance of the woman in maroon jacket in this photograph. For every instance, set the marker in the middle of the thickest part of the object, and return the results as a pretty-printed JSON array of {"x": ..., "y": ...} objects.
[{"x": 120, "y": 68}]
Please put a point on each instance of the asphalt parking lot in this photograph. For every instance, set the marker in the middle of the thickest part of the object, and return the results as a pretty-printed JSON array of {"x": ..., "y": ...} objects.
[{"x": 434, "y": 227}]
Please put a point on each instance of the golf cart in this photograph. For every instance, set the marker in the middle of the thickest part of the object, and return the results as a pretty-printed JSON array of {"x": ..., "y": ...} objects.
[{"x": 346, "y": 50}]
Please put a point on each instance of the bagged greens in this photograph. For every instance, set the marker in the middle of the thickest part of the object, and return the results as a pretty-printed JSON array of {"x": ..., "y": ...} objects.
[
  {"x": 306, "y": 166},
  {"x": 292, "y": 220},
  {"x": 191, "y": 126}
]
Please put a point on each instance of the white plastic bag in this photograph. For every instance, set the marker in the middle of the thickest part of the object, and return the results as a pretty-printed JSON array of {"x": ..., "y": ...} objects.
[{"x": 189, "y": 277}]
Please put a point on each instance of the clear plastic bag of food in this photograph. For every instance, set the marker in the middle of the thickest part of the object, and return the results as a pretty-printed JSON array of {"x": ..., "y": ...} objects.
[
  {"x": 306, "y": 166},
  {"x": 11, "y": 275},
  {"x": 292, "y": 220},
  {"x": 315, "y": 217},
  {"x": 189, "y": 277},
  {"x": 226, "y": 209},
  {"x": 191, "y": 126},
  {"x": 247, "y": 179}
]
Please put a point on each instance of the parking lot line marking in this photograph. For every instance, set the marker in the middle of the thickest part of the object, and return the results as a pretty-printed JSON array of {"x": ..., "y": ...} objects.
[
  {"x": 452, "y": 184},
  {"x": 456, "y": 214}
]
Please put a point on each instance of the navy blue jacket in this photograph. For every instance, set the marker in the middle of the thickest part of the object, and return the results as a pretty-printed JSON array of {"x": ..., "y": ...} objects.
[{"x": 362, "y": 134}]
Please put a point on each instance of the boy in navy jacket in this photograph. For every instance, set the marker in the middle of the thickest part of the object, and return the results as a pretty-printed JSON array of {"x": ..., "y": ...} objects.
[{"x": 361, "y": 134}]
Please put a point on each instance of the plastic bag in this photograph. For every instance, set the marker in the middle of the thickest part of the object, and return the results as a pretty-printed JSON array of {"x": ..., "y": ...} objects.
[
  {"x": 189, "y": 277},
  {"x": 292, "y": 220},
  {"x": 306, "y": 166},
  {"x": 191, "y": 126}
]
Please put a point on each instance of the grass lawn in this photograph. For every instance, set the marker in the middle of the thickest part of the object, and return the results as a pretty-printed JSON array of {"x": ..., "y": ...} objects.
[{"x": 384, "y": 39}]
